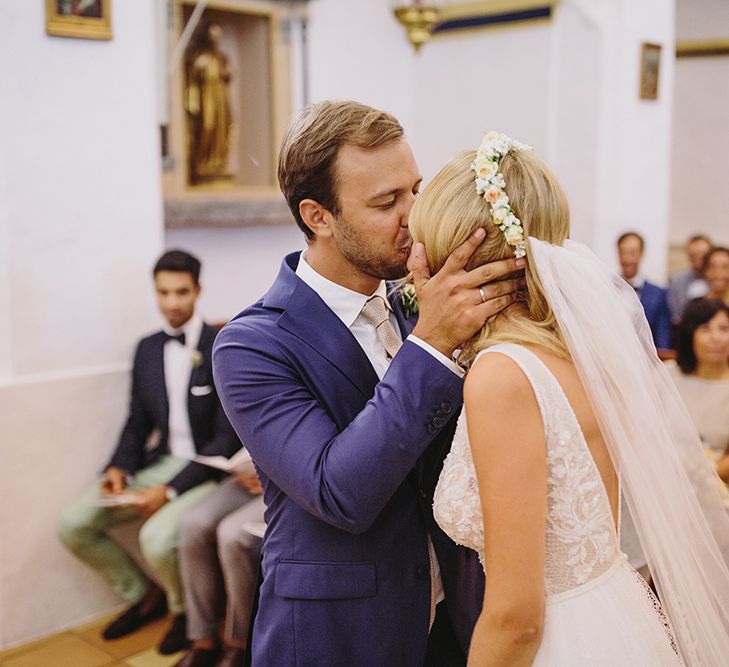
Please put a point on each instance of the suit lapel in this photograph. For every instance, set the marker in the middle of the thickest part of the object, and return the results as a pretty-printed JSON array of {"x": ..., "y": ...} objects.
[
  {"x": 311, "y": 320},
  {"x": 202, "y": 344},
  {"x": 308, "y": 318},
  {"x": 159, "y": 375}
]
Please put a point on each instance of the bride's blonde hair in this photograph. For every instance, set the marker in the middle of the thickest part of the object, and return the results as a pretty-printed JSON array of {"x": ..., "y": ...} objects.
[{"x": 449, "y": 210}]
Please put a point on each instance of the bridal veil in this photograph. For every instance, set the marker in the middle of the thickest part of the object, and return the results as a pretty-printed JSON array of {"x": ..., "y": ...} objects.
[{"x": 671, "y": 489}]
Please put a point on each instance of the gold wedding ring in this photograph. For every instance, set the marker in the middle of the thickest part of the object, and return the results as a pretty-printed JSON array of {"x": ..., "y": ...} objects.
[{"x": 483, "y": 296}]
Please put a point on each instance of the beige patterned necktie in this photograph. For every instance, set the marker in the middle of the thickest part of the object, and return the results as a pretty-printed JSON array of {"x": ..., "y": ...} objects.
[{"x": 375, "y": 312}]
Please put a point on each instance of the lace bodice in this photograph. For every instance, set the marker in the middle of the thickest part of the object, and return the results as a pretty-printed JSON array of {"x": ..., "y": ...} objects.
[{"x": 580, "y": 541}]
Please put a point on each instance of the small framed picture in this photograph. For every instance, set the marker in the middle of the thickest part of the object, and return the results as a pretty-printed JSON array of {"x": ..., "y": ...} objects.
[
  {"x": 85, "y": 19},
  {"x": 650, "y": 60}
]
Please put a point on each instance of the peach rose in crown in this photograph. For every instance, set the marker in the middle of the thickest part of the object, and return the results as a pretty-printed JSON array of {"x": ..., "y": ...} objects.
[{"x": 492, "y": 194}]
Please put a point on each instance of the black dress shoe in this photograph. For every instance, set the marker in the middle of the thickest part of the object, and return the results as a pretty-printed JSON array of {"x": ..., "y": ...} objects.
[
  {"x": 176, "y": 637},
  {"x": 234, "y": 657},
  {"x": 199, "y": 657},
  {"x": 133, "y": 619}
]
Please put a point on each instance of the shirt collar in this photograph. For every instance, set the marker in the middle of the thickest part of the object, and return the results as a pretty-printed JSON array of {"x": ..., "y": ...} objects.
[
  {"x": 637, "y": 281},
  {"x": 345, "y": 303},
  {"x": 192, "y": 330}
]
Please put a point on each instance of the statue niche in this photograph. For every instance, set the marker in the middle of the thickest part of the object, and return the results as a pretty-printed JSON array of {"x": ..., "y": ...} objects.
[{"x": 209, "y": 122}]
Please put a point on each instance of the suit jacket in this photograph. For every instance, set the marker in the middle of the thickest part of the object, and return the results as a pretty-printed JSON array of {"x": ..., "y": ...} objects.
[
  {"x": 348, "y": 465},
  {"x": 682, "y": 288},
  {"x": 145, "y": 435},
  {"x": 655, "y": 305}
]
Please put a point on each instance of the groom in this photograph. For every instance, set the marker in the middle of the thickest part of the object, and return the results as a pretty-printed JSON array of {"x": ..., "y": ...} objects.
[{"x": 348, "y": 406}]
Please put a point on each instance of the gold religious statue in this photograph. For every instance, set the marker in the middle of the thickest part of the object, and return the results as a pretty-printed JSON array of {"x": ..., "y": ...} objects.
[{"x": 208, "y": 108}]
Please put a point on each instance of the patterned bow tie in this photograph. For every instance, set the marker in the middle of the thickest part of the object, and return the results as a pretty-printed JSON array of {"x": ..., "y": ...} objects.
[{"x": 180, "y": 338}]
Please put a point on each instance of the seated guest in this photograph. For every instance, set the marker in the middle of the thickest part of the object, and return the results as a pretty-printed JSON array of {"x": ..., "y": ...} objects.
[
  {"x": 701, "y": 374},
  {"x": 174, "y": 413},
  {"x": 653, "y": 298},
  {"x": 217, "y": 555},
  {"x": 716, "y": 270},
  {"x": 690, "y": 284}
]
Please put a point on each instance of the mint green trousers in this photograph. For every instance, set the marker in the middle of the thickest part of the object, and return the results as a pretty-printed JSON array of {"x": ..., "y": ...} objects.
[{"x": 83, "y": 530}]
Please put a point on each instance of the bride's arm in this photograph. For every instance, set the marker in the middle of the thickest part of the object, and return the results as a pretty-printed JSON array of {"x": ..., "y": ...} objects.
[{"x": 507, "y": 442}]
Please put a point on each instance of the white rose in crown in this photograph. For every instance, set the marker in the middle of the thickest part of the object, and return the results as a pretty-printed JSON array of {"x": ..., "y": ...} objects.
[
  {"x": 500, "y": 213},
  {"x": 485, "y": 169},
  {"x": 511, "y": 220},
  {"x": 501, "y": 202},
  {"x": 513, "y": 234},
  {"x": 481, "y": 185}
]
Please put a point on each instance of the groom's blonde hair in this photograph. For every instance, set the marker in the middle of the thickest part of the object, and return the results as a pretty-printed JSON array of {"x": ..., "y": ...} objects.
[
  {"x": 308, "y": 156},
  {"x": 449, "y": 210}
]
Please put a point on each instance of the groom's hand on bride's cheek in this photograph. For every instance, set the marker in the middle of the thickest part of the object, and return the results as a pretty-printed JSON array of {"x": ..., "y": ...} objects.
[{"x": 454, "y": 303}]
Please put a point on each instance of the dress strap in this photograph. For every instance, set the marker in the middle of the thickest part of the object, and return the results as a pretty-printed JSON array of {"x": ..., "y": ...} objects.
[
  {"x": 551, "y": 399},
  {"x": 543, "y": 382}
]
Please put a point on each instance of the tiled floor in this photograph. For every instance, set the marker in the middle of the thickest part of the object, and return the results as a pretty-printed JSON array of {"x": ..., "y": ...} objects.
[{"x": 84, "y": 647}]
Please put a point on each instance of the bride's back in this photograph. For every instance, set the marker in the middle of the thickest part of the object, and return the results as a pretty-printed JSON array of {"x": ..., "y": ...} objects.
[{"x": 566, "y": 375}]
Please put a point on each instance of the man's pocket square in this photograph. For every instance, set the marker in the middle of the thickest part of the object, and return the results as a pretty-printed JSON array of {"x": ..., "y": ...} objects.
[
  {"x": 201, "y": 390},
  {"x": 153, "y": 440}
]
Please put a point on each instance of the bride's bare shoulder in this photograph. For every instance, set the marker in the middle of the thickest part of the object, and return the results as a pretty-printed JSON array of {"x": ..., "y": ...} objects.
[{"x": 494, "y": 385}]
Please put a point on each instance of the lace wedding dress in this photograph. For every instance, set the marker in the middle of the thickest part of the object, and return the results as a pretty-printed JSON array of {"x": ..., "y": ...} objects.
[{"x": 599, "y": 611}]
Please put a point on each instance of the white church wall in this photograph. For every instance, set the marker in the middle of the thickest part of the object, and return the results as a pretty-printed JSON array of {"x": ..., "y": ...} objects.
[
  {"x": 80, "y": 228},
  {"x": 634, "y": 135},
  {"x": 700, "y": 137},
  {"x": 469, "y": 83},
  {"x": 358, "y": 51}
]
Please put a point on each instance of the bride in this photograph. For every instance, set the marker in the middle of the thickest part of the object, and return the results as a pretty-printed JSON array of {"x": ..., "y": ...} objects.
[{"x": 566, "y": 406}]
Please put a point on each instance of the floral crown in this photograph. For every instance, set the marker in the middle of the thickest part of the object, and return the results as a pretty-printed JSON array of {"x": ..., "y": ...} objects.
[{"x": 490, "y": 185}]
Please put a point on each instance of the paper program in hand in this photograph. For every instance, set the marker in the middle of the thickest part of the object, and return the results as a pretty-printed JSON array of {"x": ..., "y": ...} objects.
[{"x": 240, "y": 462}]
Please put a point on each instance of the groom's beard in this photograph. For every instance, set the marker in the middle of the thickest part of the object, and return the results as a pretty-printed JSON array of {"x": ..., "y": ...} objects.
[{"x": 359, "y": 252}]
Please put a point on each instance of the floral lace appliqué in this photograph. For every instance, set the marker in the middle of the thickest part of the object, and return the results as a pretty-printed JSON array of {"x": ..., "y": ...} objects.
[{"x": 580, "y": 537}]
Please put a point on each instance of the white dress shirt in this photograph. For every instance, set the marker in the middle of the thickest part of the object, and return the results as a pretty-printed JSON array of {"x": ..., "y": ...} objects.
[
  {"x": 178, "y": 366},
  {"x": 347, "y": 306},
  {"x": 636, "y": 282}
]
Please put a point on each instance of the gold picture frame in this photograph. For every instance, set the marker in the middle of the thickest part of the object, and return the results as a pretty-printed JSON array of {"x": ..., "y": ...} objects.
[
  {"x": 650, "y": 61},
  {"x": 84, "y": 19}
]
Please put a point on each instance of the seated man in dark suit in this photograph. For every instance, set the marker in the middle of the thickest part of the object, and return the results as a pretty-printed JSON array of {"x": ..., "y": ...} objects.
[
  {"x": 653, "y": 297},
  {"x": 174, "y": 414}
]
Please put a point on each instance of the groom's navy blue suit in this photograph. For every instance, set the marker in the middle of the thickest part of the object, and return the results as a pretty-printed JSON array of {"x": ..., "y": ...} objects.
[{"x": 348, "y": 464}]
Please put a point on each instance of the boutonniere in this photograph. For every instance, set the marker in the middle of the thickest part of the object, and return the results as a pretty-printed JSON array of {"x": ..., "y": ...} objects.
[
  {"x": 409, "y": 300},
  {"x": 197, "y": 359}
]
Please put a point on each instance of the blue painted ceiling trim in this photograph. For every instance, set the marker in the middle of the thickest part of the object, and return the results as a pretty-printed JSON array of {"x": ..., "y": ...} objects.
[{"x": 508, "y": 17}]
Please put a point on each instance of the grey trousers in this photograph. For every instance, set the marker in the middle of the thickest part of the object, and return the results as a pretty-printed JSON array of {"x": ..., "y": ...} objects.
[{"x": 219, "y": 561}]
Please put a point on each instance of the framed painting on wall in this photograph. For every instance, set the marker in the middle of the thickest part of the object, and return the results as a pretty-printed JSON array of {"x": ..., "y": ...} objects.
[
  {"x": 85, "y": 19},
  {"x": 650, "y": 60}
]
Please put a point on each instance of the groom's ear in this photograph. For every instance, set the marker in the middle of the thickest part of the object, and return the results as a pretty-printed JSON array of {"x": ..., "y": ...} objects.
[{"x": 316, "y": 217}]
